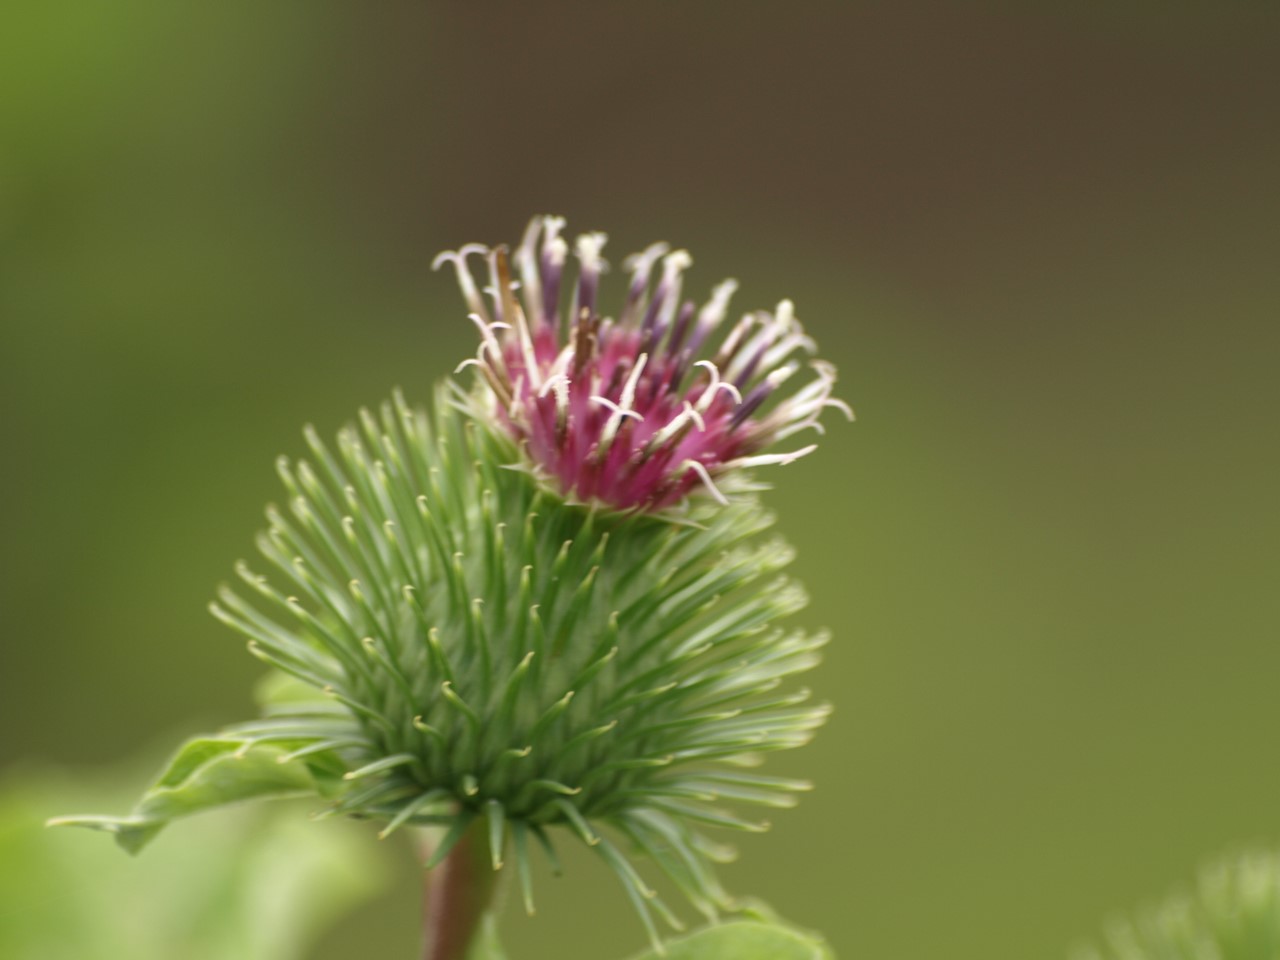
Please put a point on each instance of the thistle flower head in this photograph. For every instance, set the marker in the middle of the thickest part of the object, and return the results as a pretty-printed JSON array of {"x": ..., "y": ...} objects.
[
  {"x": 639, "y": 410},
  {"x": 470, "y": 648}
]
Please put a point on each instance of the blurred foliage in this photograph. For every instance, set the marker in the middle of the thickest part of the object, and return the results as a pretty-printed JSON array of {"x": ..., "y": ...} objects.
[
  {"x": 1232, "y": 914},
  {"x": 744, "y": 940},
  {"x": 206, "y": 773},
  {"x": 257, "y": 883}
]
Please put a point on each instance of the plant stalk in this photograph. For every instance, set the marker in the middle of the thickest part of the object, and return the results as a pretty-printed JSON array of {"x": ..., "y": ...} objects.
[{"x": 458, "y": 894}]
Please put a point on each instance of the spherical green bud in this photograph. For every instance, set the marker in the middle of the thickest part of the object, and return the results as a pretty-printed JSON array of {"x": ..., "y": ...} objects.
[{"x": 488, "y": 650}]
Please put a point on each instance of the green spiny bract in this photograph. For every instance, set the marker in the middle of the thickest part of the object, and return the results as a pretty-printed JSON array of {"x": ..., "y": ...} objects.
[
  {"x": 1234, "y": 914},
  {"x": 474, "y": 648}
]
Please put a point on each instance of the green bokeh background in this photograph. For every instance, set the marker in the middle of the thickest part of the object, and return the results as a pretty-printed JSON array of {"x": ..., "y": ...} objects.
[{"x": 1042, "y": 245}]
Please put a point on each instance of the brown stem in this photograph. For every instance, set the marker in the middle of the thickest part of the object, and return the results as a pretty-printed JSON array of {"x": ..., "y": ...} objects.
[{"x": 458, "y": 892}]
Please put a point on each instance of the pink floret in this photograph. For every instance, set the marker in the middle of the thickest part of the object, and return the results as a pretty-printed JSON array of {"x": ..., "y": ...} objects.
[{"x": 637, "y": 412}]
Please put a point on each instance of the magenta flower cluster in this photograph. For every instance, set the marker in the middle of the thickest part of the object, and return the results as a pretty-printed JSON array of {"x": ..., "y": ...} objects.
[{"x": 641, "y": 410}]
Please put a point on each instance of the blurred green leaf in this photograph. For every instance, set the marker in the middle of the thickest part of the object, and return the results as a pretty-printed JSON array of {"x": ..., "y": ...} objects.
[
  {"x": 1232, "y": 913},
  {"x": 241, "y": 884},
  {"x": 745, "y": 940},
  {"x": 206, "y": 772},
  {"x": 487, "y": 945}
]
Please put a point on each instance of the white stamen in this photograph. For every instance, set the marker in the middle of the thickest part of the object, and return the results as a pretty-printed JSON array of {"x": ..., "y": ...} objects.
[
  {"x": 466, "y": 282},
  {"x": 623, "y": 407},
  {"x": 526, "y": 350},
  {"x": 731, "y": 390},
  {"x": 588, "y": 247},
  {"x": 784, "y": 347},
  {"x": 640, "y": 266},
  {"x": 552, "y": 227},
  {"x": 842, "y": 407},
  {"x": 799, "y": 427},
  {"x": 560, "y": 365},
  {"x": 526, "y": 258},
  {"x": 790, "y": 411},
  {"x": 734, "y": 340},
  {"x": 515, "y": 410},
  {"x": 486, "y": 332},
  {"x": 617, "y": 410},
  {"x": 557, "y": 251},
  {"x": 697, "y": 417},
  {"x": 676, "y": 425},
  {"x": 712, "y": 315},
  {"x": 778, "y": 377},
  {"x": 554, "y": 382},
  {"x": 802, "y": 410},
  {"x": 769, "y": 459},
  {"x": 709, "y": 394},
  {"x": 815, "y": 392},
  {"x": 562, "y": 396},
  {"x": 757, "y": 344},
  {"x": 705, "y": 477},
  {"x": 643, "y": 261},
  {"x": 629, "y": 388},
  {"x": 559, "y": 385},
  {"x": 494, "y": 293},
  {"x": 673, "y": 264}
]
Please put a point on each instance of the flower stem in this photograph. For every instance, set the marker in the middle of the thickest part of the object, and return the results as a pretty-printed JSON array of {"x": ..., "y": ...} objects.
[{"x": 458, "y": 893}]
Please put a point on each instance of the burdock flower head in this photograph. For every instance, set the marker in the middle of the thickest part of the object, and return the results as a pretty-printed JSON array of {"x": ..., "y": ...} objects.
[
  {"x": 637, "y": 411},
  {"x": 549, "y": 606}
]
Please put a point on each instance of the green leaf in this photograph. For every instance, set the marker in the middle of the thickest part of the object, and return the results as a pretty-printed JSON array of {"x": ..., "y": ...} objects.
[
  {"x": 206, "y": 772},
  {"x": 486, "y": 945},
  {"x": 745, "y": 940},
  {"x": 277, "y": 688},
  {"x": 243, "y": 883}
]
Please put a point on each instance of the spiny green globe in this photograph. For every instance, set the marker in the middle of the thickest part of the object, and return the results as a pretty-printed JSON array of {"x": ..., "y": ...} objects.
[{"x": 491, "y": 650}]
